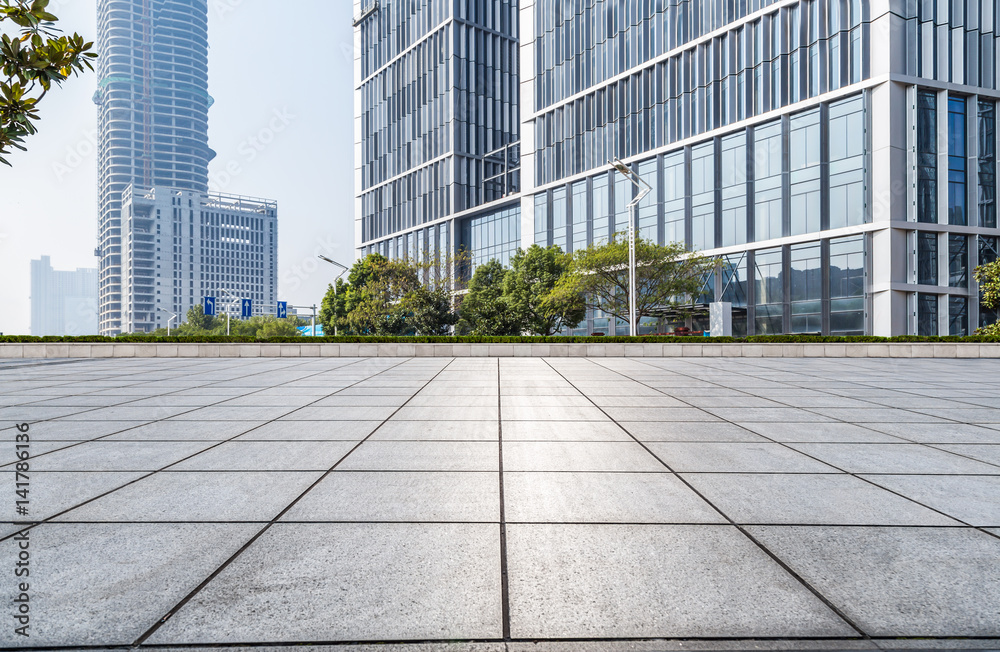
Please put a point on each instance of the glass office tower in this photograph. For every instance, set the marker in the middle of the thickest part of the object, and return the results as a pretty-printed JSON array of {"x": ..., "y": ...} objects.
[{"x": 838, "y": 156}]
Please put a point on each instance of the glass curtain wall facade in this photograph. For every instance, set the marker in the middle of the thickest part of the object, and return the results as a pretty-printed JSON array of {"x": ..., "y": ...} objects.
[
  {"x": 837, "y": 156},
  {"x": 439, "y": 121}
]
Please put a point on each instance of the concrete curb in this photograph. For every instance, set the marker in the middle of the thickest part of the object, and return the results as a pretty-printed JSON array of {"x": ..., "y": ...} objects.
[{"x": 403, "y": 350}]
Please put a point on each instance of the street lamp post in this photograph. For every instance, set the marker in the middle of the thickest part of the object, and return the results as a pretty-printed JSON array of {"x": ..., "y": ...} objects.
[
  {"x": 333, "y": 262},
  {"x": 173, "y": 316},
  {"x": 644, "y": 190}
]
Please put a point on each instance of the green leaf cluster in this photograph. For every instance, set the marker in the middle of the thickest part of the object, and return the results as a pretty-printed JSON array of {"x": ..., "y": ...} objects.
[
  {"x": 988, "y": 276},
  {"x": 31, "y": 60},
  {"x": 665, "y": 275},
  {"x": 263, "y": 327},
  {"x": 385, "y": 297}
]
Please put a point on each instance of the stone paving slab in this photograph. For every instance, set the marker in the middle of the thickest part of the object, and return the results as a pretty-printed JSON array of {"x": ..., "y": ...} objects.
[{"x": 549, "y": 504}]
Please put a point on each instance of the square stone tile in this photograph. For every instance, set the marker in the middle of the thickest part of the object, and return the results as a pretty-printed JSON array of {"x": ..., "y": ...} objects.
[
  {"x": 915, "y": 582},
  {"x": 198, "y": 496},
  {"x": 207, "y": 432},
  {"x": 81, "y": 430},
  {"x": 801, "y": 499},
  {"x": 603, "y": 498},
  {"x": 434, "y": 400},
  {"x": 551, "y": 413},
  {"x": 735, "y": 458},
  {"x": 659, "y": 414},
  {"x": 639, "y": 401},
  {"x": 965, "y": 414},
  {"x": 106, "y": 585},
  {"x": 719, "y": 431},
  {"x": 408, "y": 413},
  {"x": 989, "y": 453},
  {"x": 566, "y": 581},
  {"x": 269, "y": 456},
  {"x": 939, "y": 433},
  {"x": 563, "y": 431},
  {"x": 892, "y": 458},
  {"x": 820, "y": 432},
  {"x": 547, "y": 401},
  {"x": 127, "y": 413},
  {"x": 766, "y": 415},
  {"x": 970, "y": 498},
  {"x": 104, "y": 455},
  {"x": 239, "y": 413},
  {"x": 340, "y": 414},
  {"x": 311, "y": 431},
  {"x": 52, "y": 492},
  {"x": 314, "y": 582},
  {"x": 578, "y": 456},
  {"x": 424, "y": 456},
  {"x": 876, "y": 415},
  {"x": 401, "y": 496},
  {"x": 394, "y": 430}
]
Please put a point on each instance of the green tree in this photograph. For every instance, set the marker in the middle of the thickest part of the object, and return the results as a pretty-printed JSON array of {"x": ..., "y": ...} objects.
[
  {"x": 374, "y": 297},
  {"x": 988, "y": 276},
  {"x": 528, "y": 289},
  {"x": 430, "y": 310},
  {"x": 30, "y": 62},
  {"x": 332, "y": 310},
  {"x": 485, "y": 309},
  {"x": 665, "y": 275}
]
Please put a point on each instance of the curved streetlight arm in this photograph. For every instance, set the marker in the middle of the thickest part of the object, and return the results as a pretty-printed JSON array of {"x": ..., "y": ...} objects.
[{"x": 345, "y": 268}]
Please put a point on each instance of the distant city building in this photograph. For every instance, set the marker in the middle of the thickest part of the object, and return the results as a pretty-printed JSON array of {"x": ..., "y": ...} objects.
[
  {"x": 62, "y": 303},
  {"x": 838, "y": 156},
  {"x": 153, "y": 121},
  {"x": 181, "y": 246}
]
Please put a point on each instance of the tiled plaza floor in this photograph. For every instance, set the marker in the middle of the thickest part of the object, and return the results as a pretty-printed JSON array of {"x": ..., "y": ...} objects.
[{"x": 511, "y": 504}]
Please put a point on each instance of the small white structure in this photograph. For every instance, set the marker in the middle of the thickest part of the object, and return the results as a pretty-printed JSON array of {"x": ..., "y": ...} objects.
[{"x": 720, "y": 319}]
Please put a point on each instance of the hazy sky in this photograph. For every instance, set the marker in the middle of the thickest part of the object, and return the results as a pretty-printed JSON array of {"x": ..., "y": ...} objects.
[{"x": 264, "y": 58}]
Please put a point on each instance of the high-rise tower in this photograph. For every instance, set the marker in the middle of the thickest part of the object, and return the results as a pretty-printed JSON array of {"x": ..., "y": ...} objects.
[{"x": 153, "y": 121}]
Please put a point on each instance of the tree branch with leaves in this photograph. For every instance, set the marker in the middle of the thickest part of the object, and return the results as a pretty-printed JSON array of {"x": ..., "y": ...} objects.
[{"x": 32, "y": 59}]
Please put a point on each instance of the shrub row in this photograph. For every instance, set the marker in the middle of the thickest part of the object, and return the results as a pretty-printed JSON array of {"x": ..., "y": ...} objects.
[{"x": 651, "y": 339}]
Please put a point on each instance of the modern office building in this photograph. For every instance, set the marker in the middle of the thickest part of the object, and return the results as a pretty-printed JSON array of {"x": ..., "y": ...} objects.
[
  {"x": 838, "y": 156},
  {"x": 181, "y": 246},
  {"x": 153, "y": 107},
  {"x": 62, "y": 303}
]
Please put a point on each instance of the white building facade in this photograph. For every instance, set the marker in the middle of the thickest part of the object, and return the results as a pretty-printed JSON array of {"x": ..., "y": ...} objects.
[
  {"x": 182, "y": 246},
  {"x": 62, "y": 302}
]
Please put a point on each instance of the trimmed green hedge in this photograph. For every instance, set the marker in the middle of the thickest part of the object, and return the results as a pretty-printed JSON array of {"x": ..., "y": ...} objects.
[{"x": 651, "y": 339}]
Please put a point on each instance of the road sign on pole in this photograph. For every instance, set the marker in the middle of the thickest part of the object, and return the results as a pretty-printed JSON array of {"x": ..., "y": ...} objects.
[
  {"x": 247, "y": 308},
  {"x": 282, "y": 309},
  {"x": 210, "y": 306}
]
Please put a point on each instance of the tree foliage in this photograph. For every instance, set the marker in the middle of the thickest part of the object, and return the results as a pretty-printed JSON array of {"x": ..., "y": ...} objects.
[
  {"x": 391, "y": 297},
  {"x": 31, "y": 60},
  {"x": 198, "y": 324},
  {"x": 665, "y": 275},
  {"x": 988, "y": 276},
  {"x": 485, "y": 309},
  {"x": 529, "y": 287}
]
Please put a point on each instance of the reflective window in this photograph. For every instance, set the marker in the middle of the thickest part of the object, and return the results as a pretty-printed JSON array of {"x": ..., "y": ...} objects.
[
  {"x": 769, "y": 291},
  {"x": 987, "y": 164},
  {"x": 804, "y": 144},
  {"x": 733, "y": 168},
  {"x": 735, "y": 286},
  {"x": 580, "y": 215},
  {"x": 847, "y": 286},
  {"x": 958, "y": 261},
  {"x": 542, "y": 219},
  {"x": 927, "y": 156},
  {"x": 703, "y": 197},
  {"x": 988, "y": 253},
  {"x": 847, "y": 163},
  {"x": 927, "y": 315},
  {"x": 648, "y": 209},
  {"x": 495, "y": 236},
  {"x": 559, "y": 218},
  {"x": 602, "y": 209},
  {"x": 806, "y": 280},
  {"x": 958, "y": 316},
  {"x": 957, "y": 213},
  {"x": 674, "y": 197},
  {"x": 927, "y": 258},
  {"x": 767, "y": 182}
]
